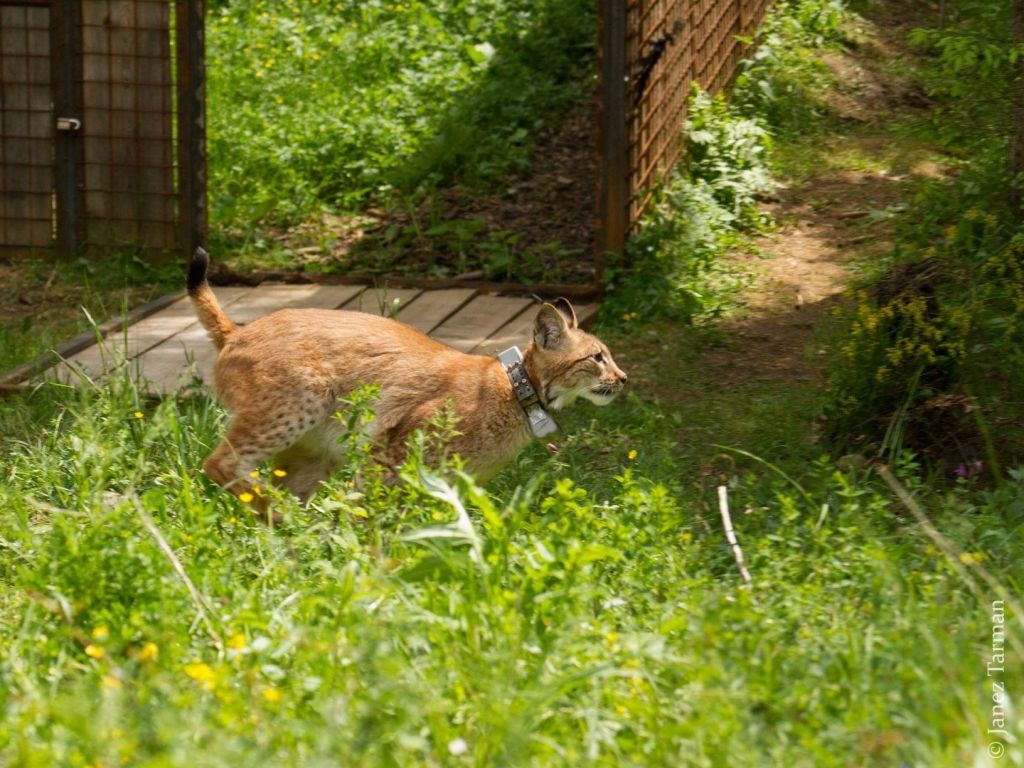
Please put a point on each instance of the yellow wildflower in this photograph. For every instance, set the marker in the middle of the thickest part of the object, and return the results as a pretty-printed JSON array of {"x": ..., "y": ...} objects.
[
  {"x": 254, "y": 473},
  {"x": 279, "y": 473},
  {"x": 686, "y": 536},
  {"x": 202, "y": 674},
  {"x": 632, "y": 454},
  {"x": 237, "y": 641},
  {"x": 94, "y": 651},
  {"x": 100, "y": 633},
  {"x": 611, "y": 638},
  {"x": 271, "y": 693},
  {"x": 149, "y": 653},
  {"x": 971, "y": 558},
  {"x": 245, "y": 497}
]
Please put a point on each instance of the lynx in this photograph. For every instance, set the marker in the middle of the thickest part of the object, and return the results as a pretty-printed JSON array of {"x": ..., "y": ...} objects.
[{"x": 281, "y": 378}]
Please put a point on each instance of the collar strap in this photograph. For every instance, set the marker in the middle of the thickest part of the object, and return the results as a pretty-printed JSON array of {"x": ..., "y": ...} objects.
[{"x": 541, "y": 423}]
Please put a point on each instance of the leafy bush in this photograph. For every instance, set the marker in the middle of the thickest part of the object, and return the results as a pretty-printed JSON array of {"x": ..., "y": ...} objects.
[
  {"x": 936, "y": 338},
  {"x": 930, "y": 358},
  {"x": 973, "y": 44},
  {"x": 782, "y": 79}
]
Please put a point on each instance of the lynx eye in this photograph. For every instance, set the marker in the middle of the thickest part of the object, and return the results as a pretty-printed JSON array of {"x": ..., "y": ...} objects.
[{"x": 597, "y": 357}]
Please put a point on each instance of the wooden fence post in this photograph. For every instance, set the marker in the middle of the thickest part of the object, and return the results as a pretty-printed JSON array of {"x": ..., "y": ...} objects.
[
  {"x": 67, "y": 144},
  {"x": 613, "y": 181},
  {"x": 191, "y": 124}
]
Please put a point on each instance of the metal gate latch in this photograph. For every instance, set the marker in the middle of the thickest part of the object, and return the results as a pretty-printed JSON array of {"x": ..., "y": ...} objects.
[{"x": 68, "y": 123}]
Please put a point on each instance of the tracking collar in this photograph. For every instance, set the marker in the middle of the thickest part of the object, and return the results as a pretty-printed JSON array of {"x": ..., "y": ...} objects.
[{"x": 541, "y": 423}]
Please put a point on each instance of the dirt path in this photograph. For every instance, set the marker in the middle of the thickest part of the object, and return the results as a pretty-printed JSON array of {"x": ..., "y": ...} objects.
[{"x": 835, "y": 212}]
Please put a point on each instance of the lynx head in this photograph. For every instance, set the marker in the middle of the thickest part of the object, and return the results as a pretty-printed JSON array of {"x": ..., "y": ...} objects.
[{"x": 566, "y": 362}]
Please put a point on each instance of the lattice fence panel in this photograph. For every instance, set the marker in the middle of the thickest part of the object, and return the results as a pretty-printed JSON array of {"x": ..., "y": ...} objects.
[
  {"x": 669, "y": 45},
  {"x": 26, "y": 127},
  {"x": 128, "y": 146},
  {"x": 102, "y": 125},
  {"x": 649, "y": 54}
]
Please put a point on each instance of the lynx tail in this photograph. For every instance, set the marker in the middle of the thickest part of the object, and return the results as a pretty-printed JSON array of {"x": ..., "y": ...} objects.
[{"x": 208, "y": 309}]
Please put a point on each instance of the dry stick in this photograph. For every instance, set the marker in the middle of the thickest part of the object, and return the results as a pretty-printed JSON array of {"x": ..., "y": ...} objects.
[
  {"x": 202, "y": 607},
  {"x": 730, "y": 534},
  {"x": 953, "y": 555}
]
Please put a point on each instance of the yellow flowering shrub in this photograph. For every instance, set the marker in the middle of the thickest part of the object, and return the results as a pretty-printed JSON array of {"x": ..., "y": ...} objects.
[{"x": 930, "y": 328}]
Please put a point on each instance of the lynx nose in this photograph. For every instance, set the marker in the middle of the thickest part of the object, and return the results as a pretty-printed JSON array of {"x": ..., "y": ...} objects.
[{"x": 623, "y": 378}]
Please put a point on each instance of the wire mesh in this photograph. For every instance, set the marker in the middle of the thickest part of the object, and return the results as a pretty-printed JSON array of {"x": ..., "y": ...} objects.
[
  {"x": 26, "y": 127},
  {"x": 127, "y": 121}
]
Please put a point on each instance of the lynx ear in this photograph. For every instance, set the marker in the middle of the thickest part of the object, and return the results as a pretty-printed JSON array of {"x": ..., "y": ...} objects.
[
  {"x": 563, "y": 306},
  {"x": 550, "y": 327}
]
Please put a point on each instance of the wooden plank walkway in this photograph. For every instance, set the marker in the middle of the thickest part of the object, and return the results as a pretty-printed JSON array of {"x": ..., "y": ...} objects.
[{"x": 169, "y": 349}]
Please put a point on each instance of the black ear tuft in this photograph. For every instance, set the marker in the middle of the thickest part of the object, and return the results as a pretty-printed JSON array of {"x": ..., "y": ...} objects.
[
  {"x": 197, "y": 270},
  {"x": 563, "y": 306}
]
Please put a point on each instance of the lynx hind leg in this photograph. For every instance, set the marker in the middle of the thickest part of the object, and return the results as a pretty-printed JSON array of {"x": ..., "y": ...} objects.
[{"x": 250, "y": 440}]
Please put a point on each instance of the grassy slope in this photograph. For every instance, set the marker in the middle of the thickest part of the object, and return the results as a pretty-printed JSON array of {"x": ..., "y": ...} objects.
[
  {"x": 602, "y": 622},
  {"x": 337, "y": 106}
]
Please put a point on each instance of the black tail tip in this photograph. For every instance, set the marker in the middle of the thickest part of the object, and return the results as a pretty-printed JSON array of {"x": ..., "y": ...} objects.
[{"x": 197, "y": 269}]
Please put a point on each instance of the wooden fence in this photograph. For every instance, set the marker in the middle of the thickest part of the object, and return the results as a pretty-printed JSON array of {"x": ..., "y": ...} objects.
[
  {"x": 101, "y": 124},
  {"x": 649, "y": 52}
]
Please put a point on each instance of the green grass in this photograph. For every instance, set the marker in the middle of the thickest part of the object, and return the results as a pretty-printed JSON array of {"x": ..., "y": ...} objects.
[
  {"x": 585, "y": 610},
  {"x": 592, "y": 615},
  {"x": 327, "y": 105},
  {"x": 43, "y": 303}
]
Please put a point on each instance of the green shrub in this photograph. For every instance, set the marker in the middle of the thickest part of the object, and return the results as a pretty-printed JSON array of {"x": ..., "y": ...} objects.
[
  {"x": 781, "y": 81},
  {"x": 931, "y": 351},
  {"x": 930, "y": 356}
]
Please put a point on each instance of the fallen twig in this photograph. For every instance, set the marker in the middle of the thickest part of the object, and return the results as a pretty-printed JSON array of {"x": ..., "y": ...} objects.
[{"x": 730, "y": 534}]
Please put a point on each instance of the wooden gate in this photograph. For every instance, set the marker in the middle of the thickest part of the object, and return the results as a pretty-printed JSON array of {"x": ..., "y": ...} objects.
[{"x": 90, "y": 153}]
